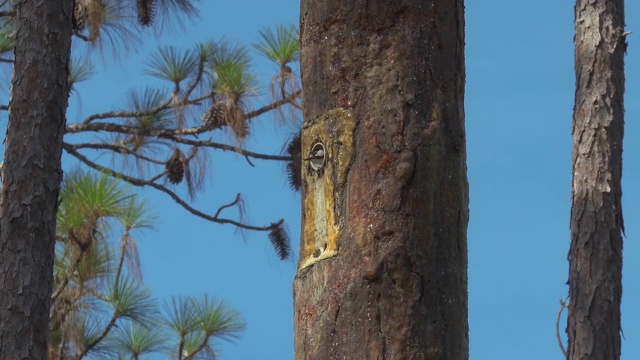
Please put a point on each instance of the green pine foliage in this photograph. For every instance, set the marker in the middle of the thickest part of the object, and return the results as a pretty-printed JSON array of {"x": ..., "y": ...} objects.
[{"x": 100, "y": 306}]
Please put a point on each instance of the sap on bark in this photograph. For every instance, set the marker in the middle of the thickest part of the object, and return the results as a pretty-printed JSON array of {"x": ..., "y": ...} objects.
[{"x": 328, "y": 141}]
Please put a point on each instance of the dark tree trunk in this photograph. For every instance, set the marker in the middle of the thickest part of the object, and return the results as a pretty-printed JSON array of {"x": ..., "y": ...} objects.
[
  {"x": 595, "y": 256},
  {"x": 383, "y": 262},
  {"x": 32, "y": 173}
]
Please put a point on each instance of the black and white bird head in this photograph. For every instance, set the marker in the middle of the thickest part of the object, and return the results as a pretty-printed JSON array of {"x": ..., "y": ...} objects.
[{"x": 317, "y": 157}]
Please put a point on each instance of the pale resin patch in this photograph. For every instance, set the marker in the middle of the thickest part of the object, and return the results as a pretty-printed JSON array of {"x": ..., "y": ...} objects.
[{"x": 322, "y": 203}]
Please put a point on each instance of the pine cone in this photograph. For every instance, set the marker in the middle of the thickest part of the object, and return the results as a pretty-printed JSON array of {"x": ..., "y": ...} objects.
[
  {"x": 78, "y": 15},
  {"x": 214, "y": 116},
  {"x": 294, "y": 167},
  {"x": 175, "y": 168},
  {"x": 280, "y": 240},
  {"x": 146, "y": 12}
]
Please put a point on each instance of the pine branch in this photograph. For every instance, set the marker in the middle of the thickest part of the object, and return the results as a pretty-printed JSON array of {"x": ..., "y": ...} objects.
[
  {"x": 225, "y": 147},
  {"x": 198, "y": 78},
  {"x": 117, "y": 149},
  {"x": 101, "y": 337},
  {"x": 181, "y": 346},
  {"x": 288, "y": 100},
  {"x": 87, "y": 124},
  {"x": 131, "y": 114},
  {"x": 123, "y": 250},
  {"x": 67, "y": 277},
  {"x": 142, "y": 183},
  {"x": 200, "y": 347},
  {"x": 95, "y": 294},
  {"x": 197, "y": 143}
]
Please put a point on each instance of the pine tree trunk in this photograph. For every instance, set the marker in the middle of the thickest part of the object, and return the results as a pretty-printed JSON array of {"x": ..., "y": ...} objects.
[
  {"x": 32, "y": 174},
  {"x": 383, "y": 261},
  {"x": 595, "y": 256}
]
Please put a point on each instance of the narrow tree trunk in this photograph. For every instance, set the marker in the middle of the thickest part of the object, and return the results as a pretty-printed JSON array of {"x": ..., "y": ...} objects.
[
  {"x": 383, "y": 263},
  {"x": 32, "y": 173},
  {"x": 595, "y": 256}
]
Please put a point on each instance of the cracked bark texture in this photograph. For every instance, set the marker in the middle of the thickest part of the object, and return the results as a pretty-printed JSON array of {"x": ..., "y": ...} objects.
[
  {"x": 32, "y": 174},
  {"x": 595, "y": 255},
  {"x": 398, "y": 287}
]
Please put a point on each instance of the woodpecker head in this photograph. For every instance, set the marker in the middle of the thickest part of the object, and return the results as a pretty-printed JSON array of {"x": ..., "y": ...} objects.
[{"x": 317, "y": 157}]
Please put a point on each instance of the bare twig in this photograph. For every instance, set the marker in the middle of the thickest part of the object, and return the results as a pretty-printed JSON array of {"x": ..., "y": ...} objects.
[
  {"x": 153, "y": 179},
  {"x": 563, "y": 305},
  {"x": 249, "y": 161},
  {"x": 233, "y": 203},
  {"x": 81, "y": 36},
  {"x": 7, "y": 60}
]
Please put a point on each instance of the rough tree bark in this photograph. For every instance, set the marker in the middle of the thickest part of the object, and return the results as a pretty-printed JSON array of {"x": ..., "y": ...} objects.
[
  {"x": 383, "y": 263},
  {"x": 32, "y": 174},
  {"x": 595, "y": 255}
]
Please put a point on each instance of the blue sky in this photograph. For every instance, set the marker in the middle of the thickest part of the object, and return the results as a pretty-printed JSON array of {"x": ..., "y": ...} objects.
[{"x": 519, "y": 99}]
